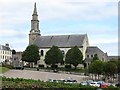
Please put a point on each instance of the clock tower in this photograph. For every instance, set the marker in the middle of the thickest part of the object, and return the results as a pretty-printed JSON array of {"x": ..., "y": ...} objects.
[{"x": 34, "y": 32}]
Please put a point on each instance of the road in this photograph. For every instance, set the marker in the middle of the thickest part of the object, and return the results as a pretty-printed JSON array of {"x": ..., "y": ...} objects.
[{"x": 39, "y": 75}]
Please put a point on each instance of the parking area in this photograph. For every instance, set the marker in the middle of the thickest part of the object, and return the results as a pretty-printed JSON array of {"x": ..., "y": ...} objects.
[{"x": 44, "y": 76}]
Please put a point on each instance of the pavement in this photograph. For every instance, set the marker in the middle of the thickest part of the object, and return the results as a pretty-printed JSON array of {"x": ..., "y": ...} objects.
[{"x": 40, "y": 75}]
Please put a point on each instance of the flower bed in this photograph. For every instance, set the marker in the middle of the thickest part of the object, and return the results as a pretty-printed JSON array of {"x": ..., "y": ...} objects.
[{"x": 27, "y": 84}]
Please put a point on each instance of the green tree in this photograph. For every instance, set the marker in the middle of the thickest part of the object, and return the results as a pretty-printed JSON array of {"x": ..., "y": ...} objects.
[
  {"x": 96, "y": 68},
  {"x": 53, "y": 56},
  {"x": 13, "y": 51},
  {"x": 68, "y": 59},
  {"x": 95, "y": 58},
  {"x": 118, "y": 66},
  {"x": 117, "y": 63},
  {"x": 31, "y": 54},
  {"x": 91, "y": 69},
  {"x": 74, "y": 56},
  {"x": 110, "y": 69}
]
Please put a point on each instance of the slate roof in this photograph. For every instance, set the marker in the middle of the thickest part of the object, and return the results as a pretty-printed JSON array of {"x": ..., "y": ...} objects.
[
  {"x": 113, "y": 57},
  {"x": 88, "y": 60},
  {"x": 93, "y": 49},
  {"x": 60, "y": 41},
  {"x": 2, "y": 47}
]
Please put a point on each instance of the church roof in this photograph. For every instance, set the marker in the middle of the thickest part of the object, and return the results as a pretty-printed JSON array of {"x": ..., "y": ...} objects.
[
  {"x": 93, "y": 49},
  {"x": 113, "y": 57},
  {"x": 60, "y": 41},
  {"x": 88, "y": 60}
]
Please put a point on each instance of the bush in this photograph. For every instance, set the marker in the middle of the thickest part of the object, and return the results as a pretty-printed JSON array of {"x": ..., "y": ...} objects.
[
  {"x": 68, "y": 66},
  {"x": 8, "y": 66},
  {"x": 40, "y": 66},
  {"x": 54, "y": 66},
  {"x": 29, "y": 84}
]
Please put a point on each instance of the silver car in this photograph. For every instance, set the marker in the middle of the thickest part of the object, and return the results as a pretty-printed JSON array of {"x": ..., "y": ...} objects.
[{"x": 85, "y": 83}]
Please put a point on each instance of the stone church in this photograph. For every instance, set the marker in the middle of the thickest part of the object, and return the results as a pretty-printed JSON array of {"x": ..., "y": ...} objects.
[{"x": 64, "y": 42}]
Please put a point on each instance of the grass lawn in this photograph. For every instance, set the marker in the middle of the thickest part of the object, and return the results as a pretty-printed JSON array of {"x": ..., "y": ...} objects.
[{"x": 3, "y": 69}]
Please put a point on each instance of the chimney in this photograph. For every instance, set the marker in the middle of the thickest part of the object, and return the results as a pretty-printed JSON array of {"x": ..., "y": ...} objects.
[{"x": 7, "y": 45}]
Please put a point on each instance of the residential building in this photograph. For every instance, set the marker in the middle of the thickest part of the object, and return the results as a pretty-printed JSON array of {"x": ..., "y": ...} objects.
[
  {"x": 16, "y": 59},
  {"x": 5, "y": 53}
]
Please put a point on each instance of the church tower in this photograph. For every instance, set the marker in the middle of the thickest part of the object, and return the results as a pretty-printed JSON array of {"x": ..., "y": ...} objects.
[{"x": 34, "y": 32}]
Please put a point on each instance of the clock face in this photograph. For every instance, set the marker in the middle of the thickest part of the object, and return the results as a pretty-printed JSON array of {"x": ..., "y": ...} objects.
[{"x": 33, "y": 38}]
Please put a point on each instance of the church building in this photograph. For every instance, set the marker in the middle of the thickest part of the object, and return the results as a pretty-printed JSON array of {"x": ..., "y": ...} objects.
[{"x": 64, "y": 42}]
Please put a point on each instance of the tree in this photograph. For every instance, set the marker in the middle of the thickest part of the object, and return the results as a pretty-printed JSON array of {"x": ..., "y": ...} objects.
[
  {"x": 118, "y": 66},
  {"x": 110, "y": 69},
  {"x": 74, "y": 56},
  {"x": 13, "y": 51},
  {"x": 68, "y": 59},
  {"x": 96, "y": 68},
  {"x": 95, "y": 58},
  {"x": 31, "y": 54},
  {"x": 53, "y": 56}
]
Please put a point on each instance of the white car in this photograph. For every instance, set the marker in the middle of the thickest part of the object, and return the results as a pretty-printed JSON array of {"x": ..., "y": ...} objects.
[
  {"x": 89, "y": 81},
  {"x": 52, "y": 80},
  {"x": 95, "y": 84},
  {"x": 101, "y": 82},
  {"x": 85, "y": 83}
]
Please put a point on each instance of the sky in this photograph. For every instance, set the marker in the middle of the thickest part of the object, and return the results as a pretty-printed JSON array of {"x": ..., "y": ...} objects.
[{"x": 96, "y": 18}]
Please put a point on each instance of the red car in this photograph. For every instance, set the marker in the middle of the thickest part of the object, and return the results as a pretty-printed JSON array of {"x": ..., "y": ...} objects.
[{"x": 105, "y": 85}]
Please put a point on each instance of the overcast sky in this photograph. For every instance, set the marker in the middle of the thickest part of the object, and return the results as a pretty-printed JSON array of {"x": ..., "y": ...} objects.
[{"x": 96, "y": 18}]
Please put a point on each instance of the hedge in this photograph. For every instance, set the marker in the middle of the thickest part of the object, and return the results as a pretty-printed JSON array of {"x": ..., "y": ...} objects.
[
  {"x": 68, "y": 66},
  {"x": 29, "y": 84},
  {"x": 40, "y": 66},
  {"x": 8, "y": 66}
]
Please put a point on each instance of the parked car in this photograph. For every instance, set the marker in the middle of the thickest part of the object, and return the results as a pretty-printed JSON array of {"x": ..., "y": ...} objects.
[
  {"x": 70, "y": 81},
  {"x": 89, "y": 81},
  {"x": 95, "y": 84},
  {"x": 52, "y": 80},
  {"x": 74, "y": 81},
  {"x": 101, "y": 82},
  {"x": 19, "y": 67},
  {"x": 105, "y": 85},
  {"x": 118, "y": 84},
  {"x": 61, "y": 80},
  {"x": 85, "y": 83}
]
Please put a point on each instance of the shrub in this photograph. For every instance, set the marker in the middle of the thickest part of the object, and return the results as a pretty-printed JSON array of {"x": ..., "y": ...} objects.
[
  {"x": 29, "y": 84},
  {"x": 41, "y": 66},
  {"x": 54, "y": 66},
  {"x": 68, "y": 66},
  {"x": 8, "y": 66}
]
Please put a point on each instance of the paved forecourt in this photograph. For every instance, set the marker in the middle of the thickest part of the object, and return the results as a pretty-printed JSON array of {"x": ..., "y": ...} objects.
[{"x": 44, "y": 76}]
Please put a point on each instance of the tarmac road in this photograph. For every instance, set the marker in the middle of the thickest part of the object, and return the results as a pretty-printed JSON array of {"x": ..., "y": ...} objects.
[{"x": 39, "y": 75}]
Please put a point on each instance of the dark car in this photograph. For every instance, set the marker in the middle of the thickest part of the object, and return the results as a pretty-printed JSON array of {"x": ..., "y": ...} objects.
[
  {"x": 117, "y": 85},
  {"x": 19, "y": 67}
]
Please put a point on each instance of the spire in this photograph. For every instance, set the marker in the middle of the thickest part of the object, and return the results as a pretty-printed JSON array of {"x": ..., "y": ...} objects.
[
  {"x": 35, "y": 21},
  {"x": 35, "y": 9}
]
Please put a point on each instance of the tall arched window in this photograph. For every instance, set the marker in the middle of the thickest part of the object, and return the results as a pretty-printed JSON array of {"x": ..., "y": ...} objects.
[{"x": 42, "y": 53}]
